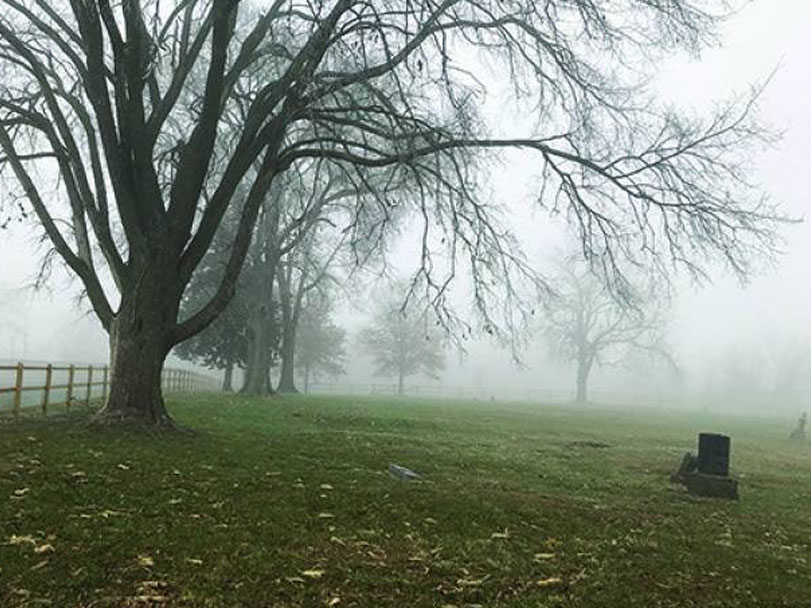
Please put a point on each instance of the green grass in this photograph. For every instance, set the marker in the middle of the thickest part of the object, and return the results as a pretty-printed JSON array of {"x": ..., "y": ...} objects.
[{"x": 288, "y": 503}]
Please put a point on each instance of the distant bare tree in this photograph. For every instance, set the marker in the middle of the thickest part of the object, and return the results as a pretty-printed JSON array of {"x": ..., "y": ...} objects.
[
  {"x": 319, "y": 341},
  {"x": 403, "y": 344},
  {"x": 130, "y": 128},
  {"x": 587, "y": 325}
]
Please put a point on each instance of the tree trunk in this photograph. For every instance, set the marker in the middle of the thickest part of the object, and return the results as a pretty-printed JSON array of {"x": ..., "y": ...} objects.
[
  {"x": 583, "y": 370},
  {"x": 140, "y": 340},
  {"x": 228, "y": 378},
  {"x": 401, "y": 383},
  {"x": 306, "y": 379},
  {"x": 268, "y": 383},
  {"x": 287, "y": 380},
  {"x": 261, "y": 355}
]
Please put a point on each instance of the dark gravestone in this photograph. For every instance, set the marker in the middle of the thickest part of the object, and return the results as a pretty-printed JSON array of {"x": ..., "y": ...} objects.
[
  {"x": 713, "y": 454},
  {"x": 711, "y": 486},
  {"x": 708, "y": 474}
]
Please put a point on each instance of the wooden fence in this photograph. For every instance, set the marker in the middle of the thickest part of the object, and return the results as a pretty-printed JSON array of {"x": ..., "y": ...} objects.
[{"x": 26, "y": 386}]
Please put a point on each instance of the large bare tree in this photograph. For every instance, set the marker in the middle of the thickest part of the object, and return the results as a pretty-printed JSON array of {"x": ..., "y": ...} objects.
[{"x": 130, "y": 128}]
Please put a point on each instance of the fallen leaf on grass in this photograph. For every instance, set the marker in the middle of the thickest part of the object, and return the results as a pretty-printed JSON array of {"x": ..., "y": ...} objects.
[
  {"x": 544, "y": 556},
  {"x": 21, "y": 540},
  {"x": 145, "y": 560},
  {"x": 152, "y": 585},
  {"x": 123, "y": 466},
  {"x": 505, "y": 534},
  {"x": 195, "y": 561},
  {"x": 313, "y": 573},
  {"x": 334, "y": 601},
  {"x": 326, "y": 486},
  {"x": 325, "y": 516},
  {"x": 550, "y": 582},
  {"x": 151, "y": 592},
  {"x": 20, "y": 493},
  {"x": 78, "y": 476},
  {"x": 294, "y": 579},
  {"x": 40, "y": 565},
  {"x": 46, "y": 548},
  {"x": 471, "y": 582},
  {"x": 155, "y": 599}
]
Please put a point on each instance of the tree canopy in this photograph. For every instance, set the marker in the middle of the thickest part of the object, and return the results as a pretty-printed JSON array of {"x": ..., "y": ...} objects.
[
  {"x": 403, "y": 343},
  {"x": 131, "y": 129},
  {"x": 320, "y": 343},
  {"x": 587, "y": 325}
]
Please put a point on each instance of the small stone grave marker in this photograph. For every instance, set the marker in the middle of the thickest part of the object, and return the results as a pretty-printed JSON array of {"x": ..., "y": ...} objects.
[{"x": 402, "y": 472}]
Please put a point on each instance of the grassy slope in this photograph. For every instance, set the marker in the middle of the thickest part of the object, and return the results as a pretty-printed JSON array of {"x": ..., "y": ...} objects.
[{"x": 237, "y": 515}]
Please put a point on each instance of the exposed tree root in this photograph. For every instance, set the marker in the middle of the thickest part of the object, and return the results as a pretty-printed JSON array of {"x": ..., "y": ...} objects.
[{"x": 134, "y": 421}]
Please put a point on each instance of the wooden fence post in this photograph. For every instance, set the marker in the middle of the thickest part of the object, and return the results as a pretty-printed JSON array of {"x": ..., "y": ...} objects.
[
  {"x": 69, "y": 396},
  {"x": 89, "y": 385},
  {"x": 46, "y": 396},
  {"x": 104, "y": 384},
  {"x": 18, "y": 388}
]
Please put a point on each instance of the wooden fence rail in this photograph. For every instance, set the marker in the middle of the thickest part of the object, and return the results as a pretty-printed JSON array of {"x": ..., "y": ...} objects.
[{"x": 46, "y": 386}]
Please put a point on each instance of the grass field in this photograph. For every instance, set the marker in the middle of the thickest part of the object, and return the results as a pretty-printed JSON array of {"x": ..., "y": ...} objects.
[{"x": 288, "y": 503}]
